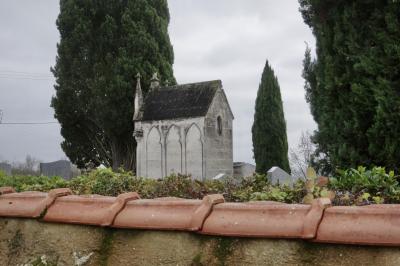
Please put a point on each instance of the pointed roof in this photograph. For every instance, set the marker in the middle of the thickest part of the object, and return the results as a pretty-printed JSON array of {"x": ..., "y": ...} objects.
[{"x": 180, "y": 101}]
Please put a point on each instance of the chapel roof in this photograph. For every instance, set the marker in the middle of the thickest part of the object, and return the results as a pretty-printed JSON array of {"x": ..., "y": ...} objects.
[{"x": 180, "y": 101}]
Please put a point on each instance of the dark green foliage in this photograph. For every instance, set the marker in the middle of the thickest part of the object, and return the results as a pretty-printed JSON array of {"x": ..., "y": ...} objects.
[
  {"x": 270, "y": 145},
  {"x": 353, "y": 86},
  {"x": 352, "y": 186},
  {"x": 362, "y": 186},
  {"x": 373, "y": 181},
  {"x": 103, "y": 45},
  {"x": 27, "y": 182},
  {"x": 109, "y": 183}
]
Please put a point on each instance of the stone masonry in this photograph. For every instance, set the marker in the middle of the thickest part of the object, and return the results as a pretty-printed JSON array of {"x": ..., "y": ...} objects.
[{"x": 183, "y": 129}]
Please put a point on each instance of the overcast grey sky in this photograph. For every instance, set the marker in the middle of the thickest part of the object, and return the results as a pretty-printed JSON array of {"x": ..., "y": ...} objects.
[{"x": 225, "y": 39}]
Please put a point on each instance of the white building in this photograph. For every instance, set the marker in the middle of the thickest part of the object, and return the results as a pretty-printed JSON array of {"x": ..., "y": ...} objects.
[{"x": 183, "y": 129}]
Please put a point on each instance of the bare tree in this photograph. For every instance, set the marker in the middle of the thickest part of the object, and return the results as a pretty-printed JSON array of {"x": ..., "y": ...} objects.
[
  {"x": 300, "y": 158},
  {"x": 29, "y": 167},
  {"x": 2, "y": 160}
]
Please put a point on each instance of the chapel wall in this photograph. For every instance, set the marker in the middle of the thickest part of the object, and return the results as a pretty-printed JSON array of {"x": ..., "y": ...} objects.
[
  {"x": 218, "y": 145},
  {"x": 171, "y": 146}
]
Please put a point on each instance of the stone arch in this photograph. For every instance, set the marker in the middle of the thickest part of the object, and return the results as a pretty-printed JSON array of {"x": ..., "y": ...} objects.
[
  {"x": 194, "y": 152},
  {"x": 153, "y": 154},
  {"x": 173, "y": 148}
]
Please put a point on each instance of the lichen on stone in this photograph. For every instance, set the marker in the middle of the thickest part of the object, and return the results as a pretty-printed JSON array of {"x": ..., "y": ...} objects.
[
  {"x": 223, "y": 249},
  {"x": 80, "y": 260}
]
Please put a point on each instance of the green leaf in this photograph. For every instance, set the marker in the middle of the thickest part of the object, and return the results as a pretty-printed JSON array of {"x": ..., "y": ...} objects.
[
  {"x": 311, "y": 174},
  {"x": 378, "y": 200}
]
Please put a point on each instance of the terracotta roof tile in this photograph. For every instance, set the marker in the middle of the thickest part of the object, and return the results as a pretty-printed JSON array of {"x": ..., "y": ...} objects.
[
  {"x": 29, "y": 204},
  {"x": 367, "y": 225},
  {"x": 257, "y": 220},
  {"x": 371, "y": 225},
  {"x": 93, "y": 209}
]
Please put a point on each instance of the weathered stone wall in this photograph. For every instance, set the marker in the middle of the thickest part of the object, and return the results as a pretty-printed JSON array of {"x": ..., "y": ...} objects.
[
  {"x": 218, "y": 145},
  {"x": 24, "y": 241},
  {"x": 171, "y": 146},
  {"x": 196, "y": 146},
  {"x": 60, "y": 168}
]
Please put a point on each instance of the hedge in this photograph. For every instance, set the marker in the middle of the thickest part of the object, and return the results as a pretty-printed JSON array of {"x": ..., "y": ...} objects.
[{"x": 349, "y": 187}]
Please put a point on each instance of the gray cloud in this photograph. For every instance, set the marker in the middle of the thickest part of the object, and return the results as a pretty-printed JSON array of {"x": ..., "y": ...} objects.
[
  {"x": 230, "y": 40},
  {"x": 225, "y": 39}
]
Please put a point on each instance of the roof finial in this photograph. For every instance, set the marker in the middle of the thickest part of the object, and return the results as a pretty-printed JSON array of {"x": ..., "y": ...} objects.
[
  {"x": 155, "y": 76},
  {"x": 155, "y": 81}
]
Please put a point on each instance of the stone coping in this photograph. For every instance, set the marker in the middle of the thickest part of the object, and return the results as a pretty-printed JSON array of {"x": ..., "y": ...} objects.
[{"x": 318, "y": 222}]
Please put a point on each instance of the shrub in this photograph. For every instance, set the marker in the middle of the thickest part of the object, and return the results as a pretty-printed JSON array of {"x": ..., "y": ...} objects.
[
  {"x": 353, "y": 186},
  {"x": 32, "y": 183},
  {"x": 362, "y": 186}
]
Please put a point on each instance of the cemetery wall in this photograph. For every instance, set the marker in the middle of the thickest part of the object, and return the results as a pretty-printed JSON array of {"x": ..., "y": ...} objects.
[
  {"x": 24, "y": 241},
  {"x": 60, "y": 168},
  {"x": 64, "y": 229}
]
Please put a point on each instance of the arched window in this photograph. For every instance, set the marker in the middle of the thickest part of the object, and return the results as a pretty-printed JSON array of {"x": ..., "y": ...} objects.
[{"x": 219, "y": 125}]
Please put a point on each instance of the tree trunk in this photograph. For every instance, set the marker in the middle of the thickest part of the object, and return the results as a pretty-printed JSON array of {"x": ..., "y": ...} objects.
[{"x": 124, "y": 154}]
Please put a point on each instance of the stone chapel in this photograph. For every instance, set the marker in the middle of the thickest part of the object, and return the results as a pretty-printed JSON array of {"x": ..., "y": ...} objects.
[{"x": 183, "y": 129}]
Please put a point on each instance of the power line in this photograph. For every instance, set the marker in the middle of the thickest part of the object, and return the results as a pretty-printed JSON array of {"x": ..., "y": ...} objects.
[
  {"x": 24, "y": 123},
  {"x": 22, "y": 72},
  {"x": 12, "y": 74},
  {"x": 28, "y": 123},
  {"x": 30, "y": 78},
  {"x": 4, "y": 76}
]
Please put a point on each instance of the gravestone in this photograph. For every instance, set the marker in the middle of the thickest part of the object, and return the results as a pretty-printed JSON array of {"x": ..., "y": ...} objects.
[
  {"x": 60, "y": 168},
  {"x": 277, "y": 175},
  {"x": 221, "y": 177},
  {"x": 242, "y": 169},
  {"x": 6, "y": 168}
]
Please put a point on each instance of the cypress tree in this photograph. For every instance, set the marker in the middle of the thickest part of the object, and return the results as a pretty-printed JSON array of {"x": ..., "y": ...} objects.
[
  {"x": 353, "y": 85},
  {"x": 270, "y": 145},
  {"x": 103, "y": 45}
]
